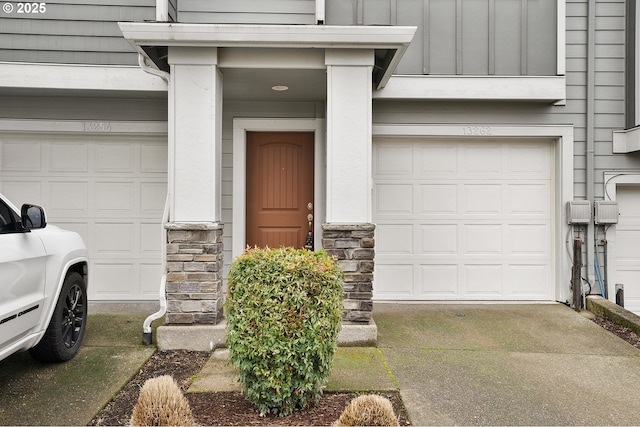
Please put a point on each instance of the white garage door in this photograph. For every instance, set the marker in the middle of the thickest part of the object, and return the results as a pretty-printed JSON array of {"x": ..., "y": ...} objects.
[
  {"x": 110, "y": 189},
  {"x": 628, "y": 249},
  {"x": 463, "y": 220}
]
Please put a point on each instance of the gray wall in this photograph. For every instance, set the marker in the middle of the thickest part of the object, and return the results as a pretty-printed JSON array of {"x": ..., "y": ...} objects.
[
  {"x": 70, "y": 107},
  {"x": 475, "y": 37},
  {"x": 73, "y": 32},
  {"x": 247, "y": 11},
  {"x": 608, "y": 97}
]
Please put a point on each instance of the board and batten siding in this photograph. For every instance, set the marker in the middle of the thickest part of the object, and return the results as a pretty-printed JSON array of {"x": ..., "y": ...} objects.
[
  {"x": 466, "y": 37},
  {"x": 608, "y": 102},
  {"x": 284, "y": 12},
  {"x": 72, "y": 32}
]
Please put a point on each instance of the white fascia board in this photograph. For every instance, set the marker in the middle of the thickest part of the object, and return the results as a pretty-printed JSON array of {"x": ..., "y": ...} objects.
[
  {"x": 499, "y": 88},
  {"x": 626, "y": 141},
  {"x": 78, "y": 77},
  {"x": 290, "y": 36}
]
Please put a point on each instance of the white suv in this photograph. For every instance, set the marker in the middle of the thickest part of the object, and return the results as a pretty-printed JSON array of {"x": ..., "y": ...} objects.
[{"x": 43, "y": 285}]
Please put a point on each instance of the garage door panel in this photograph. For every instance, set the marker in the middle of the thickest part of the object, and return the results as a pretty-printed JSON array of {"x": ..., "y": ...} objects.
[
  {"x": 394, "y": 199},
  {"x": 483, "y": 281},
  {"x": 394, "y": 160},
  {"x": 68, "y": 198},
  {"x": 482, "y": 199},
  {"x": 438, "y": 199},
  {"x": 528, "y": 281},
  {"x": 437, "y": 160},
  {"x": 481, "y": 160},
  {"x": 115, "y": 158},
  {"x": 113, "y": 281},
  {"x": 68, "y": 157},
  {"x": 151, "y": 235},
  {"x": 20, "y": 156},
  {"x": 439, "y": 281},
  {"x": 438, "y": 239},
  {"x": 115, "y": 197},
  {"x": 114, "y": 238},
  {"x": 482, "y": 228},
  {"x": 395, "y": 239},
  {"x": 482, "y": 239}
]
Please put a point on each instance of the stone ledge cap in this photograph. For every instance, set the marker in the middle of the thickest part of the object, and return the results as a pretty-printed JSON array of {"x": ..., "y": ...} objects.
[
  {"x": 334, "y": 226},
  {"x": 190, "y": 226}
]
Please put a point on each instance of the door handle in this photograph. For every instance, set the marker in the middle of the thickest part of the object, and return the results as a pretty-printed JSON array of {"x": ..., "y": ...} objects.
[{"x": 308, "y": 244}]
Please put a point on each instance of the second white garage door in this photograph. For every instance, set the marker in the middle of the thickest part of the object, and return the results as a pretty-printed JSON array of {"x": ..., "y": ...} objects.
[
  {"x": 463, "y": 220},
  {"x": 109, "y": 188}
]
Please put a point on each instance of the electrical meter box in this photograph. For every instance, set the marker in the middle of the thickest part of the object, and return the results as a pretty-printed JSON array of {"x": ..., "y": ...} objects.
[
  {"x": 606, "y": 212},
  {"x": 579, "y": 212}
]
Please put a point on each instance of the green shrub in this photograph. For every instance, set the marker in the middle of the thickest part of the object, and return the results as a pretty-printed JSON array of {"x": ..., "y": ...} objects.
[{"x": 284, "y": 310}]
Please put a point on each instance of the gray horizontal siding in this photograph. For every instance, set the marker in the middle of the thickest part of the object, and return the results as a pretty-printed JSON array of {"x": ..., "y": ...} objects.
[
  {"x": 73, "y": 32},
  {"x": 173, "y": 10},
  {"x": 472, "y": 37},
  {"x": 247, "y": 11}
]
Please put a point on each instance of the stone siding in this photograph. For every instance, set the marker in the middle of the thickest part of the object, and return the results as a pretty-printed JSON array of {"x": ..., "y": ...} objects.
[
  {"x": 353, "y": 246},
  {"x": 194, "y": 273}
]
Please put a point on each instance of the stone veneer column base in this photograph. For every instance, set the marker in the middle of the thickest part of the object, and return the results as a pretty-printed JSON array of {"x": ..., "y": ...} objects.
[
  {"x": 353, "y": 246},
  {"x": 194, "y": 273}
]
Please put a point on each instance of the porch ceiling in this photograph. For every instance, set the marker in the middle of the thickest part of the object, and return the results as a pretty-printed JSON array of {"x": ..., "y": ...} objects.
[{"x": 255, "y": 85}]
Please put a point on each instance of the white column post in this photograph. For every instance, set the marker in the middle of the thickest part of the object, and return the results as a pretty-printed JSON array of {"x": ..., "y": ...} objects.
[
  {"x": 349, "y": 181},
  {"x": 195, "y": 118}
]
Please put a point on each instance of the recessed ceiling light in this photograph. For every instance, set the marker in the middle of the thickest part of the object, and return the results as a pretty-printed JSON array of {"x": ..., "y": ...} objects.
[{"x": 280, "y": 88}]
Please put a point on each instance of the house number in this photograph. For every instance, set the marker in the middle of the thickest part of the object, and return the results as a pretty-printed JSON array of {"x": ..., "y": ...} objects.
[
  {"x": 477, "y": 130},
  {"x": 97, "y": 127}
]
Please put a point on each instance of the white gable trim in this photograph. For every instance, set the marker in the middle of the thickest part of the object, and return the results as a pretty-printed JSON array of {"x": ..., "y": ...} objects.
[{"x": 240, "y": 129}]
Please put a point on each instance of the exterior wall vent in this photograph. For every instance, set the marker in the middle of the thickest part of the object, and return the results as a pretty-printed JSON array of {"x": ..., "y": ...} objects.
[
  {"x": 606, "y": 212},
  {"x": 579, "y": 212}
]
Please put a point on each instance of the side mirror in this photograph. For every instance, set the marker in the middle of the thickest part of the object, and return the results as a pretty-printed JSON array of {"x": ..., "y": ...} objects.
[{"x": 33, "y": 217}]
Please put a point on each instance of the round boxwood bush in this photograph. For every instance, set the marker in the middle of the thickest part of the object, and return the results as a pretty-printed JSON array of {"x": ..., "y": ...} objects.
[{"x": 284, "y": 311}]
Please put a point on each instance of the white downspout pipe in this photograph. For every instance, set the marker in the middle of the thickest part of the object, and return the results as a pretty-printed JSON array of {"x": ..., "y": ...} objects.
[{"x": 147, "y": 335}]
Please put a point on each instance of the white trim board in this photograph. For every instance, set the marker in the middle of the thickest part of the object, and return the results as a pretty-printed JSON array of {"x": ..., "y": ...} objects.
[
  {"x": 563, "y": 172},
  {"x": 78, "y": 77},
  {"x": 82, "y": 126},
  {"x": 240, "y": 129}
]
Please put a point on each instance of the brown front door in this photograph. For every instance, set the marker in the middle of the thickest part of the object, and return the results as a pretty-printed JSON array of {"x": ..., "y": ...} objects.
[{"x": 279, "y": 188}]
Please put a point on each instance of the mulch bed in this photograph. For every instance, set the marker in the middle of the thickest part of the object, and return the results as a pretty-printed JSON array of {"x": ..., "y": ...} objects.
[
  {"x": 222, "y": 408},
  {"x": 232, "y": 409}
]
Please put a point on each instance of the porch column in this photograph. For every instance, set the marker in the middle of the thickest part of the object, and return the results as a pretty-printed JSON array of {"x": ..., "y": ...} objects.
[
  {"x": 348, "y": 233},
  {"x": 194, "y": 231}
]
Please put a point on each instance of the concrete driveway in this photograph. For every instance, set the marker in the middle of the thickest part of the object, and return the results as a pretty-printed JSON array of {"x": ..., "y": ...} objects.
[{"x": 533, "y": 364}]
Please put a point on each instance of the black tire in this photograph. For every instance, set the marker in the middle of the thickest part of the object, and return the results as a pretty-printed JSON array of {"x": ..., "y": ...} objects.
[{"x": 66, "y": 329}]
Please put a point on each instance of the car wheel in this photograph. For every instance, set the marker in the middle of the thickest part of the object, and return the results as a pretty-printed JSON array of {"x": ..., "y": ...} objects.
[{"x": 66, "y": 329}]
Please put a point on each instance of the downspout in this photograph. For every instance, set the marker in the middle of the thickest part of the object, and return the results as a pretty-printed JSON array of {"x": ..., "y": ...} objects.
[
  {"x": 590, "y": 130},
  {"x": 147, "y": 334}
]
